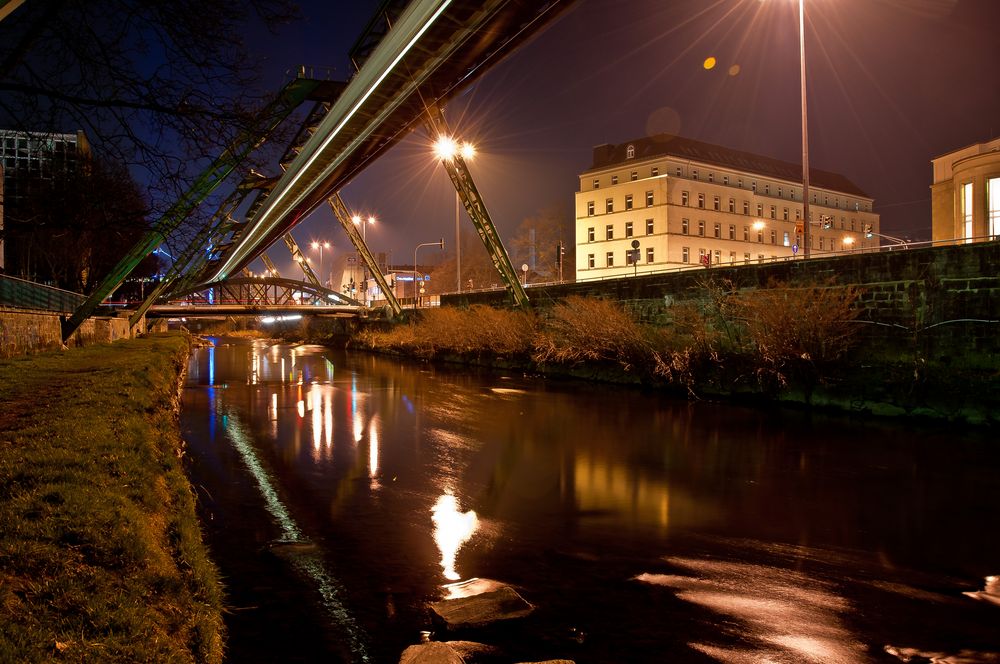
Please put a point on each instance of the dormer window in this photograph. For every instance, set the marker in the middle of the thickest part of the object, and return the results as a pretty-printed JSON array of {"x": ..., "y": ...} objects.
[{"x": 630, "y": 152}]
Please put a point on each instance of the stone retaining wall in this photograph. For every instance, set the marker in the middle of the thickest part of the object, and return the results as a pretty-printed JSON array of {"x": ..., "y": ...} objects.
[{"x": 24, "y": 331}]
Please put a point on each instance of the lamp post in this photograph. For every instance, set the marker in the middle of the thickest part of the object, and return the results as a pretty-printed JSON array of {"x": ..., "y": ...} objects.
[
  {"x": 805, "y": 133},
  {"x": 321, "y": 246},
  {"x": 439, "y": 243},
  {"x": 445, "y": 148}
]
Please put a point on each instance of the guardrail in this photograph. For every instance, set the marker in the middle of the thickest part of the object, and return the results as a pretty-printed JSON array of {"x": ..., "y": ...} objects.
[{"x": 23, "y": 294}]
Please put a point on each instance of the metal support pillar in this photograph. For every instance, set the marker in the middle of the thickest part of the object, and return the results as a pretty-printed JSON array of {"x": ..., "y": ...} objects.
[
  {"x": 290, "y": 97},
  {"x": 344, "y": 217},
  {"x": 460, "y": 176},
  {"x": 300, "y": 258}
]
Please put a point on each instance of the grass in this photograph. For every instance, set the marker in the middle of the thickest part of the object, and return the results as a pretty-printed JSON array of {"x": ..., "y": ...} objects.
[{"x": 101, "y": 557}]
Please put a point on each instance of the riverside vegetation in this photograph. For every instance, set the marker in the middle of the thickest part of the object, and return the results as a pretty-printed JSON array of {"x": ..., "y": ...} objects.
[
  {"x": 101, "y": 556},
  {"x": 733, "y": 341}
]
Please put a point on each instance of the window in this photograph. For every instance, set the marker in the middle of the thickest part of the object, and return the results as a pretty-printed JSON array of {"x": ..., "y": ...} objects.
[
  {"x": 732, "y": 231},
  {"x": 701, "y": 256},
  {"x": 746, "y": 208},
  {"x": 718, "y": 256},
  {"x": 590, "y": 208},
  {"x": 701, "y": 200},
  {"x": 649, "y": 254},
  {"x": 628, "y": 201},
  {"x": 822, "y": 242},
  {"x": 725, "y": 180},
  {"x": 779, "y": 192},
  {"x": 798, "y": 214},
  {"x": 609, "y": 232},
  {"x": 610, "y": 259},
  {"x": 715, "y": 203},
  {"x": 630, "y": 152},
  {"x": 717, "y": 230},
  {"x": 760, "y": 209},
  {"x": 684, "y": 198},
  {"x": 739, "y": 183},
  {"x": 685, "y": 255},
  {"x": 746, "y": 233},
  {"x": 786, "y": 240},
  {"x": 649, "y": 199},
  {"x": 654, "y": 171},
  {"x": 732, "y": 256},
  {"x": 784, "y": 214},
  {"x": 753, "y": 186},
  {"x": 609, "y": 205},
  {"x": 701, "y": 228},
  {"x": 634, "y": 176},
  {"x": 678, "y": 171},
  {"x": 732, "y": 205},
  {"x": 590, "y": 261},
  {"x": 774, "y": 237},
  {"x": 967, "y": 210},
  {"x": 993, "y": 206},
  {"x": 649, "y": 227},
  {"x": 767, "y": 190},
  {"x": 772, "y": 212},
  {"x": 746, "y": 257},
  {"x": 694, "y": 173},
  {"x": 760, "y": 236},
  {"x": 590, "y": 234},
  {"x": 597, "y": 183},
  {"x": 711, "y": 176},
  {"x": 684, "y": 226},
  {"x": 614, "y": 179},
  {"x": 628, "y": 229}
]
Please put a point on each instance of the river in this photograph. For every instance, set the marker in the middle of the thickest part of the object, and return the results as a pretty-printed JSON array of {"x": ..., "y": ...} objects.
[{"x": 341, "y": 493}]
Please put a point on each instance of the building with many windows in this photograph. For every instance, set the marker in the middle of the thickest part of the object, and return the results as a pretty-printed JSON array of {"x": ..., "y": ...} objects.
[
  {"x": 965, "y": 196},
  {"x": 28, "y": 157},
  {"x": 666, "y": 202}
]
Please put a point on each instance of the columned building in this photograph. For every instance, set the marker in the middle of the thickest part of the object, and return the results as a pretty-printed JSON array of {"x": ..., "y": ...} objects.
[
  {"x": 965, "y": 196},
  {"x": 673, "y": 202}
]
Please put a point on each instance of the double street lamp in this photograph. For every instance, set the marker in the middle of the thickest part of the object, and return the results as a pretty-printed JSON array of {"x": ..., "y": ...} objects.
[
  {"x": 321, "y": 245},
  {"x": 445, "y": 149}
]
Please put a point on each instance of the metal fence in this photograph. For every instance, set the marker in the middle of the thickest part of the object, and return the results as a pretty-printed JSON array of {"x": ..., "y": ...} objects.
[{"x": 23, "y": 294}]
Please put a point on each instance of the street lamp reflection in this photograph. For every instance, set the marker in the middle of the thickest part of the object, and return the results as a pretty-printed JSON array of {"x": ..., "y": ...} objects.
[{"x": 452, "y": 529}]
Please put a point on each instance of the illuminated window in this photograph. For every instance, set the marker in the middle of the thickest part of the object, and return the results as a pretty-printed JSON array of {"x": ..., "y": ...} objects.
[
  {"x": 649, "y": 227},
  {"x": 590, "y": 234},
  {"x": 590, "y": 261},
  {"x": 967, "y": 210},
  {"x": 630, "y": 152},
  {"x": 610, "y": 259},
  {"x": 628, "y": 201},
  {"x": 993, "y": 205},
  {"x": 685, "y": 255},
  {"x": 787, "y": 241},
  {"x": 609, "y": 232},
  {"x": 590, "y": 208},
  {"x": 628, "y": 229},
  {"x": 649, "y": 199}
]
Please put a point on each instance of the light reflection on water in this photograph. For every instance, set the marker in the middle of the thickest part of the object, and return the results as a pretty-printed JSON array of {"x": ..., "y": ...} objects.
[{"x": 599, "y": 502}]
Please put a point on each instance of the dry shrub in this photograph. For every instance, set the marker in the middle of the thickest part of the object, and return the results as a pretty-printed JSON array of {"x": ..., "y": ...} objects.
[
  {"x": 799, "y": 328},
  {"x": 589, "y": 329}
]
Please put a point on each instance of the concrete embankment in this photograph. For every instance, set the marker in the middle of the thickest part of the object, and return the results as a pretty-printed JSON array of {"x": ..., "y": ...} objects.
[{"x": 101, "y": 557}]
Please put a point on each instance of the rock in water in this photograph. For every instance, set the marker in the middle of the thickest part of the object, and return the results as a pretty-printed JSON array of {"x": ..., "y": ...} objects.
[
  {"x": 482, "y": 609},
  {"x": 433, "y": 652}
]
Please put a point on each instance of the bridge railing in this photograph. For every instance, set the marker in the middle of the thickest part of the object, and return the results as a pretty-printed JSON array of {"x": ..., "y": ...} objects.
[{"x": 23, "y": 294}]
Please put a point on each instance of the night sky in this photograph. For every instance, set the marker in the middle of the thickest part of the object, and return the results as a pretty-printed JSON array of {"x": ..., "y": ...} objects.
[{"x": 891, "y": 85}]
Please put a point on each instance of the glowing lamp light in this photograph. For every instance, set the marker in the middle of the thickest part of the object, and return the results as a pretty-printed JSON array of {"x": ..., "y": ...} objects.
[
  {"x": 848, "y": 241},
  {"x": 445, "y": 147},
  {"x": 758, "y": 225}
]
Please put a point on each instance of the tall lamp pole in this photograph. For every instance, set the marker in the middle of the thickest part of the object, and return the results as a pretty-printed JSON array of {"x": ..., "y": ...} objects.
[
  {"x": 446, "y": 148},
  {"x": 805, "y": 133},
  {"x": 439, "y": 243},
  {"x": 321, "y": 246}
]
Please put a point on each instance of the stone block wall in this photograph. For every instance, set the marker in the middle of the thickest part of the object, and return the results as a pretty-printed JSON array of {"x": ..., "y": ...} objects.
[{"x": 24, "y": 331}]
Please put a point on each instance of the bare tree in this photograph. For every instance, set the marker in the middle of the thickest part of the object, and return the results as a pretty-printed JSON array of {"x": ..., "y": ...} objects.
[{"x": 536, "y": 241}]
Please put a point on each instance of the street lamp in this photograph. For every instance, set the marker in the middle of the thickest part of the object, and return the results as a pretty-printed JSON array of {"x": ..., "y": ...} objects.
[
  {"x": 445, "y": 148},
  {"x": 439, "y": 243},
  {"x": 849, "y": 242},
  {"x": 805, "y": 132},
  {"x": 321, "y": 246}
]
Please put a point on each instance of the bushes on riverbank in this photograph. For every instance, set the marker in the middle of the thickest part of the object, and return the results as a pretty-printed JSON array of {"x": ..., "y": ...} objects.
[
  {"x": 101, "y": 558},
  {"x": 727, "y": 336}
]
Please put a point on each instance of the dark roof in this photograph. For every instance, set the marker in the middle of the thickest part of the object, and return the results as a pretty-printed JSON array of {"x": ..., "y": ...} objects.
[{"x": 662, "y": 145}]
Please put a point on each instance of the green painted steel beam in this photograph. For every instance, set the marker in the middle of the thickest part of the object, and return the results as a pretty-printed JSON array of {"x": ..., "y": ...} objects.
[{"x": 287, "y": 100}]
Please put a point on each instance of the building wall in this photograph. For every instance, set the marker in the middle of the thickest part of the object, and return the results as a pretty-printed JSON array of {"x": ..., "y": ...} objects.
[
  {"x": 702, "y": 195},
  {"x": 979, "y": 166},
  {"x": 24, "y": 332}
]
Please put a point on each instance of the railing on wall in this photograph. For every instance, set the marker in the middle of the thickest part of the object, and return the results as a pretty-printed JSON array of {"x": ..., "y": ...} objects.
[{"x": 23, "y": 294}]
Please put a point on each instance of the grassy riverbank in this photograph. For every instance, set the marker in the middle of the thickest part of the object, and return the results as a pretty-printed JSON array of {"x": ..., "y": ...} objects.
[{"x": 101, "y": 558}]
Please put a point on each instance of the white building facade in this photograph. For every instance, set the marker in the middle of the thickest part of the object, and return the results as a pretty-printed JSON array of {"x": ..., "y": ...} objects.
[{"x": 672, "y": 202}]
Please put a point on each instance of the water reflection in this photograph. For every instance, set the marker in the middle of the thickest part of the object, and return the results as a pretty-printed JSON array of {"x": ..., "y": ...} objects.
[{"x": 452, "y": 529}]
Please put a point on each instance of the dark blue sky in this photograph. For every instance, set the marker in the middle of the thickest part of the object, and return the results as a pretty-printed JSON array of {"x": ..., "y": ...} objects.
[{"x": 891, "y": 84}]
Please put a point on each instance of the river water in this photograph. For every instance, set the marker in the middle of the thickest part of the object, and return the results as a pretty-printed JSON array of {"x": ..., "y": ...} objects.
[{"x": 341, "y": 493}]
